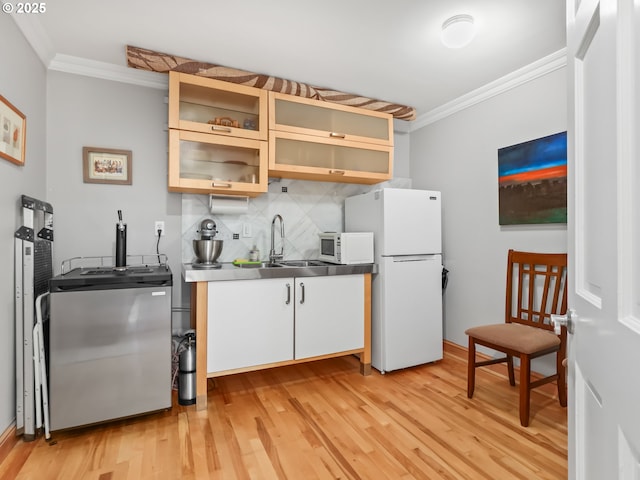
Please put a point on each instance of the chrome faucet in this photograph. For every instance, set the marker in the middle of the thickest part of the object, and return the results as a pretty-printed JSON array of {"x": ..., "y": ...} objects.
[{"x": 273, "y": 256}]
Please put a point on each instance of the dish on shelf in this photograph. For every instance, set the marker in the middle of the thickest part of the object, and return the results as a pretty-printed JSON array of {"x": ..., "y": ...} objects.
[{"x": 225, "y": 122}]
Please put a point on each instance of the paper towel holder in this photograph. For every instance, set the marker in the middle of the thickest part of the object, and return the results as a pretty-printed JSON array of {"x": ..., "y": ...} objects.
[{"x": 228, "y": 204}]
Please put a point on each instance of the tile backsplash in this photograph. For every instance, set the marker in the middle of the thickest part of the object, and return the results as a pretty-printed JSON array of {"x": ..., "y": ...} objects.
[{"x": 306, "y": 207}]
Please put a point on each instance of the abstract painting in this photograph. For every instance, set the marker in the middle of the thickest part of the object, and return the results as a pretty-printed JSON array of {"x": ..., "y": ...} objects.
[{"x": 532, "y": 178}]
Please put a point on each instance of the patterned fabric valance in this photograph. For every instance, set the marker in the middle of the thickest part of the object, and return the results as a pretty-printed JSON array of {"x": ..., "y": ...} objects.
[{"x": 161, "y": 62}]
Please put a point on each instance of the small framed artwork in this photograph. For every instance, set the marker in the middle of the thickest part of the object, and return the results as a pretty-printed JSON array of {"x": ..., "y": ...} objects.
[
  {"x": 13, "y": 132},
  {"x": 106, "y": 165}
]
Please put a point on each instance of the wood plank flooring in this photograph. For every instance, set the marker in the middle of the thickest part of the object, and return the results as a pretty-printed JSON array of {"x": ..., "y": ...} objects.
[{"x": 320, "y": 420}]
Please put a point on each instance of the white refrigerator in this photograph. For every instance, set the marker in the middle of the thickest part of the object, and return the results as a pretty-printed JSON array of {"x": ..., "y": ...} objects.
[{"x": 406, "y": 313}]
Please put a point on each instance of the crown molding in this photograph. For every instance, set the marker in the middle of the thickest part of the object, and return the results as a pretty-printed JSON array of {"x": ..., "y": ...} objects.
[
  {"x": 519, "y": 77},
  {"x": 35, "y": 34},
  {"x": 108, "y": 71}
]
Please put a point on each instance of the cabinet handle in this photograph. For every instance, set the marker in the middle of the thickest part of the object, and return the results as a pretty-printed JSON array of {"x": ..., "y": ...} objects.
[
  {"x": 221, "y": 185},
  {"x": 301, "y": 293},
  {"x": 337, "y": 135},
  {"x": 218, "y": 128},
  {"x": 288, "y": 294},
  {"x": 337, "y": 172}
]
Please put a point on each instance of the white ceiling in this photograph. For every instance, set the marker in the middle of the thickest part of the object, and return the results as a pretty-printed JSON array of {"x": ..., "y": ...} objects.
[{"x": 383, "y": 49}]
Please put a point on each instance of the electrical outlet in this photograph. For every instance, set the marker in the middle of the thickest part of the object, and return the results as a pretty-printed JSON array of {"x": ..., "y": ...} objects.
[
  {"x": 246, "y": 230},
  {"x": 159, "y": 226},
  {"x": 236, "y": 236}
]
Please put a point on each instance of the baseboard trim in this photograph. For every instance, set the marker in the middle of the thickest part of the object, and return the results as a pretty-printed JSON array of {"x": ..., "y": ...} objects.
[
  {"x": 458, "y": 351},
  {"x": 8, "y": 440},
  {"x": 454, "y": 348}
]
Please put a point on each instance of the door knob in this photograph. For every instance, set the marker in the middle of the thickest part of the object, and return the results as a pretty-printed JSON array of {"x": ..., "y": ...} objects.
[{"x": 567, "y": 320}]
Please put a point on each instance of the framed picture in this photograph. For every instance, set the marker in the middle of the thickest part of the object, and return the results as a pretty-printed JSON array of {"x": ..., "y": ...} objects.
[
  {"x": 106, "y": 165},
  {"x": 532, "y": 178},
  {"x": 13, "y": 136}
]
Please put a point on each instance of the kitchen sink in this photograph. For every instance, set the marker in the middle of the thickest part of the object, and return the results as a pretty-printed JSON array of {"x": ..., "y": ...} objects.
[
  {"x": 302, "y": 263},
  {"x": 283, "y": 263},
  {"x": 259, "y": 265}
]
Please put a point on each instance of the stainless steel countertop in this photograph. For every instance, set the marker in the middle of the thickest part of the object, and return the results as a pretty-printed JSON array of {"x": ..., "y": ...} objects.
[{"x": 228, "y": 271}]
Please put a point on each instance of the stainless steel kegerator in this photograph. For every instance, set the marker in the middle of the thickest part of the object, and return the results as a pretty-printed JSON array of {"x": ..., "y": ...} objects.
[
  {"x": 110, "y": 341},
  {"x": 406, "y": 319}
]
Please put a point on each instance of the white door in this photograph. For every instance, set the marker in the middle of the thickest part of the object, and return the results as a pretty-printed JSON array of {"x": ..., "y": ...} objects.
[{"x": 604, "y": 238}]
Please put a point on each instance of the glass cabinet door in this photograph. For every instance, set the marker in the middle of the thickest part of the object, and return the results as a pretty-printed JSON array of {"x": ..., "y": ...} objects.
[
  {"x": 212, "y": 106},
  {"x": 295, "y": 156},
  {"x": 205, "y": 163},
  {"x": 329, "y": 120}
]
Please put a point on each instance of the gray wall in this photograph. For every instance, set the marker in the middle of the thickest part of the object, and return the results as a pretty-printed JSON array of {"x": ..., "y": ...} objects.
[
  {"x": 23, "y": 83},
  {"x": 401, "y": 150},
  {"x": 458, "y": 156},
  {"x": 84, "y": 111}
]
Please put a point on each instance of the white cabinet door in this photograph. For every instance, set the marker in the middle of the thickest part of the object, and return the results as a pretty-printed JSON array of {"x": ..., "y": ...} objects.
[
  {"x": 250, "y": 323},
  {"x": 329, "y": 315}
]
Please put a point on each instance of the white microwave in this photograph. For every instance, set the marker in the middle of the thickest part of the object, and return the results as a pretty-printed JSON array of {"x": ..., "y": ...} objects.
[{"x": 346, "y": 248}]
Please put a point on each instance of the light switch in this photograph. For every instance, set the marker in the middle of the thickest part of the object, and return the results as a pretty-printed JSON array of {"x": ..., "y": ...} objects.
[{"x": 246, "y": 230}]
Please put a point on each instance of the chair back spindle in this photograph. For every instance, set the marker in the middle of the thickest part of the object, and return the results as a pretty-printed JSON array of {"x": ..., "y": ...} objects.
[{"x": 540, "y": 288}]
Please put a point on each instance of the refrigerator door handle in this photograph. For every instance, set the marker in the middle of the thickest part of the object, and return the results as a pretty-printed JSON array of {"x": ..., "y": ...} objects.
[{"x": 415, "y": 258}]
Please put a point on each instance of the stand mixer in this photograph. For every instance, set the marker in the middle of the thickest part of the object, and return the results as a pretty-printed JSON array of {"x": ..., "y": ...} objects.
[{"x": 207, "y": 249}]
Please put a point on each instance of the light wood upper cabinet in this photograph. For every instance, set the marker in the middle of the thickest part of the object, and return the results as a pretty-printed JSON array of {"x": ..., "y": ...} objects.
[
  {"x": 226, "y": 138},
  {"x": 205, "y": 163},
  {"x": 306, "y": 116},
  {"x": 314, "y": 140},
  {"x": 217, "y": 137},
  {"x": 314, "y": 158},
  {"x": 212, "y": 106}
]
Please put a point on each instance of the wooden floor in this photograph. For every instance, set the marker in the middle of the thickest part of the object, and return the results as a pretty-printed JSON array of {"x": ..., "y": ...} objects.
[{"x": 320, "y": 420}]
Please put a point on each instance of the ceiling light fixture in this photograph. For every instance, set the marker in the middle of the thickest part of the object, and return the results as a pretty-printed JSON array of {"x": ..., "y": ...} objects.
[{"x": 458, "y": 31}]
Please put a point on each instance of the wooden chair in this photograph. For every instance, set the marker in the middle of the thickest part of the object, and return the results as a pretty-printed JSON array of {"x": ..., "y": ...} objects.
[{"x": 536, "y": 288}]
